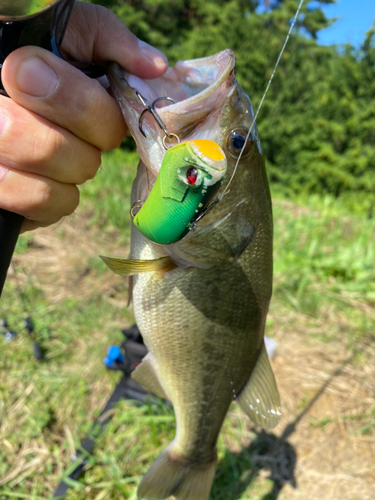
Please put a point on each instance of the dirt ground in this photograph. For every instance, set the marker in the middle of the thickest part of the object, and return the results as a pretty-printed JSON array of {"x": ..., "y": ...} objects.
[
  {"x": 320, "y": 450},
  {"x": 324, "y": 397}
]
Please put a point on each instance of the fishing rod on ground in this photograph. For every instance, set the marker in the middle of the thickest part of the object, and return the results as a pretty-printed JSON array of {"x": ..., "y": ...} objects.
[
  {"x": 124, "y": 358},
  {"x": 29, "y": 22},
  {"x": 28, "y": 323}
]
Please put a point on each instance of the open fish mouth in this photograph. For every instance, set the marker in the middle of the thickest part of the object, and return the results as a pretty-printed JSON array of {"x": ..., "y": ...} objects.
[
  {"x": 186, "y": 83},
  {"x": 199, "y": 88}
]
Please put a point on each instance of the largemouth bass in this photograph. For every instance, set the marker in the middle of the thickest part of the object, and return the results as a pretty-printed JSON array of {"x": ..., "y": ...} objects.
[{"x": 201, "y": 303}]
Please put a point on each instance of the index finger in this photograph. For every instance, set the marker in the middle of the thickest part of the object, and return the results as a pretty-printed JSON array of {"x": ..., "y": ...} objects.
[
  {"x": 49, "y": 86},
  {"x": 95, "y": 34}
]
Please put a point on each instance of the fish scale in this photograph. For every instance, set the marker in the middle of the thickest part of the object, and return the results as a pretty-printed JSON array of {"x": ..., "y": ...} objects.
[{"x": 201, "y": 303}]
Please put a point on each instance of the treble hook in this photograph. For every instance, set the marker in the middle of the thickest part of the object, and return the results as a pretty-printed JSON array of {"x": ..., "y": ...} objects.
[{"x": 150, "y": 108}]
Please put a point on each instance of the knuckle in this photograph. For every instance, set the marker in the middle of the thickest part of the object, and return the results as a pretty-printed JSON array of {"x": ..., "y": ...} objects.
[
  {"x": 88, "y": 167},
  {"x": 94, "y": 164},
  {"x": 47, "y": 143},
  {"x": 104, "y": 123},
  {"x": 62, "y": 207},
  {"x": 115, "y": 139},
  {"x": 74, "y": 197},
  {"x": 40, "y": 198},
  {"x": 51, "y": 201}
]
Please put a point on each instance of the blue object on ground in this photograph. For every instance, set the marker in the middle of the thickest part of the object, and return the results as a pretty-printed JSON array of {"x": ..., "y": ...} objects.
[{"x": 114, "y": 355}]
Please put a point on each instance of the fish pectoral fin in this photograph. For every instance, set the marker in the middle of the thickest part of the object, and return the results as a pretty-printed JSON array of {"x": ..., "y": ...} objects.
[
  {"x": 126, "y": 267},
  {"x": 145, "y": 374},
  {"x": 260, "y": 399}
]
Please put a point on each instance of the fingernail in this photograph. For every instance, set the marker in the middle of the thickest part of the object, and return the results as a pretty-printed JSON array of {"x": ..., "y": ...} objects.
[
  {"x": 36, "y": 78},
  {"x": 3, "y": 172},
  {"x": 157, "y": 57}
]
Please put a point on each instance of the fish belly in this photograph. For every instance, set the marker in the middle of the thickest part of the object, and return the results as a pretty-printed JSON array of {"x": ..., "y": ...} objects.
[{"x": 204, "y": 330}]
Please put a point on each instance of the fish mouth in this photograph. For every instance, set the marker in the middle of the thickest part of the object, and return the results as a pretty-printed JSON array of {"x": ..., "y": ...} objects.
[
  {"x": 199, "y": 87},
  {"x": 186, "y": 83}
]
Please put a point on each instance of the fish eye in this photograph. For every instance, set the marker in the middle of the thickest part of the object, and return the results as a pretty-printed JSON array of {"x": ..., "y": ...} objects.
[
  {"x": 191, "y": 175},
  {"x": 236, "y": 140}
]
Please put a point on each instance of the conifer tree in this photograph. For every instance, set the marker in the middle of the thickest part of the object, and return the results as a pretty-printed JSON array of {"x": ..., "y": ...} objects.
[{"x": 317, "y": 124}]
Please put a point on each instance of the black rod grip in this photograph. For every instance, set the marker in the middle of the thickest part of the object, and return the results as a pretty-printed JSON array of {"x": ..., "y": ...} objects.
[{"x": 10, "y": 227}]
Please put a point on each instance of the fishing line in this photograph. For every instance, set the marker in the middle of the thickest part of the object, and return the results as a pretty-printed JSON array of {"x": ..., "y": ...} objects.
[{"x": 261, "y": 101}]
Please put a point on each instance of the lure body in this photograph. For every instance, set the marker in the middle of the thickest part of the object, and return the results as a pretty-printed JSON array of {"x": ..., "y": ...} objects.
[
  {"x": 37, "y": 5},
  {"x": 190, "y": 175}
]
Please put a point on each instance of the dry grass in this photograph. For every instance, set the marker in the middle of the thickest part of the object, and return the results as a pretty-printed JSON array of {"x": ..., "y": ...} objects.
[
  {"x": 319, "y": 450},
  {"x": 59, "y": 260},
  {"x": 327, "y": 400}
]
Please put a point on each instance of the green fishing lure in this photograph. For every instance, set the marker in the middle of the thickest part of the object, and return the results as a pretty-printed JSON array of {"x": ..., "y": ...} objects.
[
  {"x": 23, "y": 8},
  {"x": 190, "y": 175},
  {"x": 37, "y": 5}
]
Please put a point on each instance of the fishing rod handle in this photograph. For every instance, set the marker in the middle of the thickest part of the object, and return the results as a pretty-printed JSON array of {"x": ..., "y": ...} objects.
[{"x": 10, "y": 227}]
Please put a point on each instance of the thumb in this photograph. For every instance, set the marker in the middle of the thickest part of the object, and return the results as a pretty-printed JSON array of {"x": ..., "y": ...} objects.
[{"x": 95, "y": 34}]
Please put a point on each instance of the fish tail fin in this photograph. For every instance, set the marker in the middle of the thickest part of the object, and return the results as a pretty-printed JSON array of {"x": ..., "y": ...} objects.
[{"x": 172, "y": 475}]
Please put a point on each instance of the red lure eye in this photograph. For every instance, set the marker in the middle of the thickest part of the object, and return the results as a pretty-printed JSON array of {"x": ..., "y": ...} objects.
[{"x": 192, "y": 175}]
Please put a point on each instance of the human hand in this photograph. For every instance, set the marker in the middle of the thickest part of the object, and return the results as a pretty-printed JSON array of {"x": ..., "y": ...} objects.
[{"x": 58, "y": 121}]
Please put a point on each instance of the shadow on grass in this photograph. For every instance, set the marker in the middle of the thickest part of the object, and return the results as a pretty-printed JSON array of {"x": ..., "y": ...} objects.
[
  {"x": 238, "y": 471},
  {"x": 268, "y": 453}
]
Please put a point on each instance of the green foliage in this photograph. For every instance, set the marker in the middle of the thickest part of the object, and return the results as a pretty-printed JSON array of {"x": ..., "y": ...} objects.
[
  {"x": 317, "y": 124},
  {"x": 321, "y": 138}
]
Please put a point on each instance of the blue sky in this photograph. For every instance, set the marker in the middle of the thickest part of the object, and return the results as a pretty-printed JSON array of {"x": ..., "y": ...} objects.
[{"x": 355, "y": 18}]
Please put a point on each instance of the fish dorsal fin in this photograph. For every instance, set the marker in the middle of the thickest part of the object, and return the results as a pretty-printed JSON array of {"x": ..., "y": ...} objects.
[
  {"x": 125, "y": 267},
  {"x": 145, "y": 375},
  {"x": 260, "y": 399}
]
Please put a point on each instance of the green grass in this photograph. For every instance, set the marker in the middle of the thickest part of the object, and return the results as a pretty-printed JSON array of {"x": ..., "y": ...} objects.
[
  {"x": 324, "y": 259},
  {"x": 324, "y": 268},
  {"x": 106, "y": 198}
]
